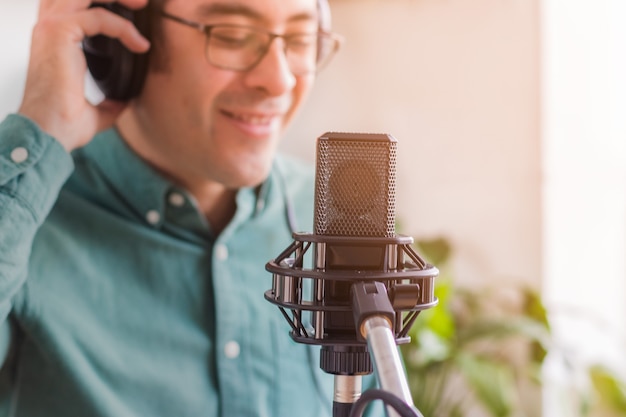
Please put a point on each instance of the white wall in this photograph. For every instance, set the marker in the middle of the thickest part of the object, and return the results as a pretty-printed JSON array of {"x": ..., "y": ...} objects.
[
  {"x": 16, "y": 21},
  {"x": 585, "y": 160},
  {"x": 584, "y": 134},
  {"x": 457, "y": 83}
]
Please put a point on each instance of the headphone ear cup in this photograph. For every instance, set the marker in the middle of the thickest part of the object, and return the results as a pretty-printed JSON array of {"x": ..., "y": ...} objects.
[{"x": 118, "y": 72}]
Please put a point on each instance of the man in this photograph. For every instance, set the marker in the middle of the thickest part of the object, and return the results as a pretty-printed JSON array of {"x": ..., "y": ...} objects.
[{"x": 132, "y": 272}]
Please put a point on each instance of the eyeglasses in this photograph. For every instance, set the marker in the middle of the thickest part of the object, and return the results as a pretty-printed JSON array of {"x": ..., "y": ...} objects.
[{"x": 240, "y": 48}]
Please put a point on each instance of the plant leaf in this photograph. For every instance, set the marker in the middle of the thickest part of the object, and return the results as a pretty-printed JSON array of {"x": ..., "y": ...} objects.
[
  {"x": 486, "y": 329},
  {"x": 609, "y": 389},
  {"x": 492, "y": 383},
  {"x": 436, "y": 250}
]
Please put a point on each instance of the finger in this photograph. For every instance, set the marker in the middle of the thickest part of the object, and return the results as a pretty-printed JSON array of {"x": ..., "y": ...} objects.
[
  {"x": 98, "y": 21},
  {"x": 131, "y": 4},
  {"x": 74, "y": 5}
]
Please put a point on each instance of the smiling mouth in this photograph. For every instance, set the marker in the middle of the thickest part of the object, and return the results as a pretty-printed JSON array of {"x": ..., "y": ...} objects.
[{"x": 251, "y": 119}]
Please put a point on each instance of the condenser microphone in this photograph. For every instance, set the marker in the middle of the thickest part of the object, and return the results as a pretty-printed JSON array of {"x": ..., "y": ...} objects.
[
  {"x": 367, "y": 284},
  {"x": 355, "y": 185}
]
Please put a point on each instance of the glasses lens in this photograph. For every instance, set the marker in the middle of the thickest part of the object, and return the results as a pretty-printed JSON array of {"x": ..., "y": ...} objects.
[
  {"x": 327, "y": 45},
  {"x": 239, "y": 48},
  {"x": 235, "y": 47},
  {"x": 301, "y": 51}
]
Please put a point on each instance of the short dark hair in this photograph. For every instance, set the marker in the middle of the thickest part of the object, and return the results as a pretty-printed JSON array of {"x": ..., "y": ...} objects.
[{"x": 158, "y": 62}]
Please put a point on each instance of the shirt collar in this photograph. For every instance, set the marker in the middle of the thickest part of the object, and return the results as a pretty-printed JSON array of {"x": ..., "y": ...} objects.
[
  {"x": 140, "y": 185},
  {"x": 145, "y": 189}
]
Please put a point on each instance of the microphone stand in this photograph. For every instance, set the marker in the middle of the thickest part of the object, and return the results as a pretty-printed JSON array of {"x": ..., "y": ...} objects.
[
  {"x": 387, "y": 365},
  {"x": 358, "y": 332},
  {"x": 347, "y": 392},
  {"x": 374, "y": 319}
]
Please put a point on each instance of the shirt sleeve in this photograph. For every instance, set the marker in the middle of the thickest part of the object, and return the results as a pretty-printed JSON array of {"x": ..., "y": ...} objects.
[{"x": 33, "y": 168}]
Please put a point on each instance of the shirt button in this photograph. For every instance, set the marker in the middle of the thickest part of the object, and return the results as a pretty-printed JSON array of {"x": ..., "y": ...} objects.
[
  {"x": 232, "y": 349},
  {"x": 153, "y": 217},
  {"x": 176, "y": 199},
  {"x": 19, "y": 155},
  {"x": 221, "y": 252}
]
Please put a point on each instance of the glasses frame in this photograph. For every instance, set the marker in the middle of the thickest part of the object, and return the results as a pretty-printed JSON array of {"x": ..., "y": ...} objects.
[{"x": 320, "y": 61}]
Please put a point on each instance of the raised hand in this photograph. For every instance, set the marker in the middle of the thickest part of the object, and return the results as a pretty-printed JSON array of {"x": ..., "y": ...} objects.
[{"x": 54, "y": 95}]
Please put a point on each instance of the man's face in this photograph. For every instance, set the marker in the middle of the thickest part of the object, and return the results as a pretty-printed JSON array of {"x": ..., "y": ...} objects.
[{"x": 206, "y": 123}]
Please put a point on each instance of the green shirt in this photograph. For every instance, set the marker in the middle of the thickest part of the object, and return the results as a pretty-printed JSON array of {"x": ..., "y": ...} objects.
[{"x": 121, "y": 300}]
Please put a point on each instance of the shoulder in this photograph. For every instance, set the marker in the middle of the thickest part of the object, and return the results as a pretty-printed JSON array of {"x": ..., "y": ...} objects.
[
  {"x": 297, "y": 180},
  {"x": 297, "y": 174}
]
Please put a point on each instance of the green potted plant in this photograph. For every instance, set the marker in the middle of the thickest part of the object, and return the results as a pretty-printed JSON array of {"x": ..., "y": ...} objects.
[{"x": 480, "y": 352}]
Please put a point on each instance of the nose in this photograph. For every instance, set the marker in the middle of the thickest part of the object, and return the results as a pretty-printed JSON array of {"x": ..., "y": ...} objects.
[{"x": 272, "y": 73}]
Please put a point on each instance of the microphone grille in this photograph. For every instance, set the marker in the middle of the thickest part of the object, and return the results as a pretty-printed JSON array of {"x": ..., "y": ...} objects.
[{"x": 355, "y": 185}]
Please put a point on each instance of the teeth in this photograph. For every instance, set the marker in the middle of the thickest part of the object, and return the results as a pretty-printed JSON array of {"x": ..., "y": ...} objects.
[{"x": 252, "y": 119}]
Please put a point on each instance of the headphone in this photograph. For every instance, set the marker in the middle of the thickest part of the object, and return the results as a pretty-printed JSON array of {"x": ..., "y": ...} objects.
[{"x": 120, "y": 73}]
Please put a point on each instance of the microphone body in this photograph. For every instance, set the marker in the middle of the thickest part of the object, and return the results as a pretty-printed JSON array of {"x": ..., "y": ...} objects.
[{"x": 367, "y": 284}]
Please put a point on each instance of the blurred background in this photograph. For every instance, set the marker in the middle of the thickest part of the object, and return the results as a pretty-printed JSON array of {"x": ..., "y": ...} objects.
[{"x": 510, "y": 117}]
